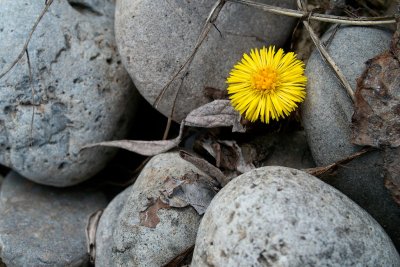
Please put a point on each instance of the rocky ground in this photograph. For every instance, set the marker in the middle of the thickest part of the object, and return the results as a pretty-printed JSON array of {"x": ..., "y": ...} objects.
[{"x": 294, "y": 192}]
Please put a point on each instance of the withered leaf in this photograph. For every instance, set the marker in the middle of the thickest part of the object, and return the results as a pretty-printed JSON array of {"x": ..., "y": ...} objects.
[
  {"x": 206, "y": 167},
  {"x": 214, "y": 93},
  {"x": 392, "y": 172},
  {"x": 218, "y": 113},
  {"x": 184, "y": 257},
  {"x": 376, "y": 119},
  {"x": 149, "y": 217},
  {"x": 91, "y": 229},
  {"x": 145, "y": 148},
  {"x": 188, "y": 190}
]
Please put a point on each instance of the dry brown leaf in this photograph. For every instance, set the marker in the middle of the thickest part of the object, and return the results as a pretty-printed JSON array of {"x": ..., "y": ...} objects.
[
  {"x": 214, "y": 93},
  {"x": 145, "y": 148},
  {"x": 182, "y": 258},
  {"x": 206, "y": 167},
  {"x": 376, "y": 119},
  {"x": 392, "y": 172},
  {"x": 91, "y": 229},
  {"x": 189, "y": 189},
  {"x": 218, "y": 113},
  {"x": 149, "y": 217}
]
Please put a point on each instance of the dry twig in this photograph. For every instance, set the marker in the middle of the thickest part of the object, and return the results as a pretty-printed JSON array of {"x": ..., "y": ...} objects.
[
  {"x": 206, "y": 29},
  {"x": 318, "y": 171},
  {"x": 361, "y": 21},
  {"x": 25, "y": 47}
]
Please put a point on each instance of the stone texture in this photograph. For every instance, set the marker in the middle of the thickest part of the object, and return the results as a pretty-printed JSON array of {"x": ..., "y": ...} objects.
[
  {"x": 327, "y": 113},
  {"x": 105, "y": 229},
  {"x": 137, "y": 245},
  {"x": 82, "y": 93},
  {"x": 44, "y": 226},
  {"x": 277, "y": 216},
  {"x": 156, "y": 37}
]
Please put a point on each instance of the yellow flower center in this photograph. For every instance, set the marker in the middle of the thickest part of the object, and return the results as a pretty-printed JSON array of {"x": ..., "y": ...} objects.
[{"x": 265, "y": 79}]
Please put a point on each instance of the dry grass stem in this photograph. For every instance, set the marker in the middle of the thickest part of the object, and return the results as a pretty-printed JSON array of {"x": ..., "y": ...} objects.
[
  {"x": 324, "y": 53},
  {"x": 361, "y": 21},
  {"x": 25, "y": 47},
  {"x": 204, "y": 32}
]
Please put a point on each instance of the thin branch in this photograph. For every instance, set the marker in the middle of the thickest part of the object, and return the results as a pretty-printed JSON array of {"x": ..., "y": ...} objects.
[
  {"x": 365, "y": 21},
  {"x": 324, "y": 53},
  {"x": 318, "y": 171},
  {"x": 25, "y": 47},
  {"x": 206, "y": 29},
  {"x": 172, "y": 110}
]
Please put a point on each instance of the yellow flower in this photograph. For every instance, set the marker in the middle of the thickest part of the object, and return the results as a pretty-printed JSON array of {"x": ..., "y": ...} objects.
[{"x": 266, "y": 84}]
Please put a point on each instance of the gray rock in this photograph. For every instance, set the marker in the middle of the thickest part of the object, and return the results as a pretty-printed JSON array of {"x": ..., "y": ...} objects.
[
  {"x": 105, "y": 229},
  {"x": 82, "y": 94},
  {"x": 139, "y": 245},
  {"x": 327, "y": 113},
  {"x": 44, "y": 226},
  {"x": 277, "y": 216},
  {"x": 156, "y": 37}
]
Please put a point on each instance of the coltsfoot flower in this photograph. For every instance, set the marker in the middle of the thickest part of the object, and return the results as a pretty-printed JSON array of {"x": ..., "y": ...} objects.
[{"x": 267, "y": 84}]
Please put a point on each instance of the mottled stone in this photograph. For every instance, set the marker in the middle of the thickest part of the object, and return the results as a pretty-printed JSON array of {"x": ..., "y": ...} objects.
[
  {"x": 155, "y": 39},
  {"x": 327, "y": 113},
  {"x": 135, "y": 243},
  {"x": 80, "y": 90},
  {"x": 105, "y": 229},
  {"x": 44, "y": 226},
  {"x": 277, "y": 216}
]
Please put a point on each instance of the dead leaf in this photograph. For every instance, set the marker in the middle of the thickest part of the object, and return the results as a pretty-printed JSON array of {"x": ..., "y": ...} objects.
[
  {"x": 214, "y": 93},
  {"x": 392, "y": 172},
  {"x": 145, "y": 148},
  {"x": 91, "y": 229},
  {"x": 187, "y": 190},
  {"x": 149, "y": 217},
  {"x": 206, "y": 167},
  {"x": 228, "y": 156},
  {"x": 218, "y": 113},
  {"x": 235, "y": 158},
  {"x": 318, "y": 171},
  {"x": 376, "y": 119},
  {"x": 184, "y": 257}
]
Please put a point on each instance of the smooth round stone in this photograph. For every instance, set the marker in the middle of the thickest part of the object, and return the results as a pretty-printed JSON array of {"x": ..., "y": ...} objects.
[
  {"x": 135, "y": 244},
  {"x": 44, "y": 226},
  {"x": 82, "y": 93},
  {"x": 327, "y": 112},
  {"x": 277, "y": 216},
  {"x": 105, "y": 229},
  {"x": 155, "y": 38}
]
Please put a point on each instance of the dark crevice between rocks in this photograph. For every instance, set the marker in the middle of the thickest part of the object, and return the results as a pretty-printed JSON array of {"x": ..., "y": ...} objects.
[{"x": 84, "y": 8}]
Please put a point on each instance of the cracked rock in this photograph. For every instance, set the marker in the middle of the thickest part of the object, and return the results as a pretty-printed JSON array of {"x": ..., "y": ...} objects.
[
  {"x": 44, "y": 226},
  {"x": 138, "y": 229},
  {"x": 277, "y": 216},
  {"x": 327, "y": 112},
  {"x": 79, "y": 92},
  {"x": 156, "y": 37}
]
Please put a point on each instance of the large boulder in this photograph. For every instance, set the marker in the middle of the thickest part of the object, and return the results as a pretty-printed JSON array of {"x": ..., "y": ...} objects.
[
  {"x": 155, "y": 38},
  {"x": 79, "y": 92},
  {"x": 277, "y": 216}
]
